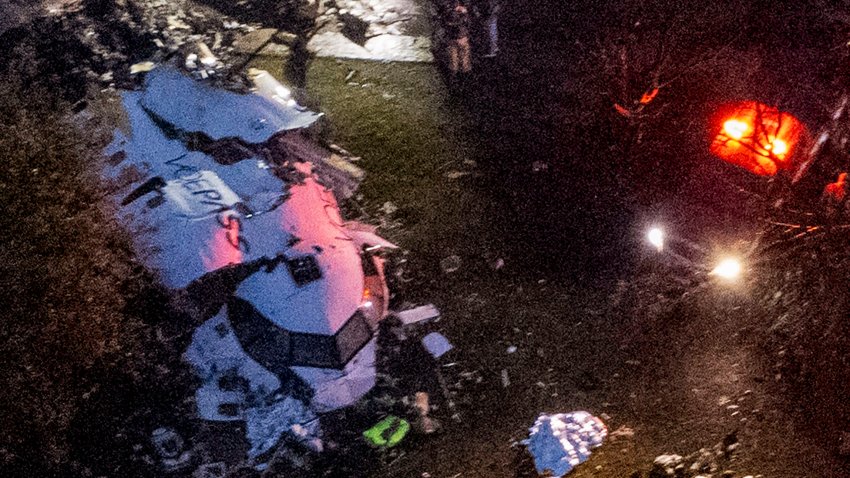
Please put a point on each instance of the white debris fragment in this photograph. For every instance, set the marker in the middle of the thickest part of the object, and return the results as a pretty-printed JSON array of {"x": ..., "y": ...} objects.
[
  {"x": 436, "y": 344},
  {"x": 389, "y": 208},
  {"x": 421, "y": 314},
  {"x": 506, "y": 380},
  {"x": 206, "y": 55},
  {"x": 191, "y": 61},
  {"x": 667, "y": 464},
  {"x": 266, "y": 425},
  {"x": 142, "y": 67},
  {"x": 450, "y": 264}
]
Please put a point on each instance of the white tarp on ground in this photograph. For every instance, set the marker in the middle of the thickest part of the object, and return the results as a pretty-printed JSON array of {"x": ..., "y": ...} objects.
[
  {"x": 191, "y": 106},
  {"x": 560, "y": 442}
]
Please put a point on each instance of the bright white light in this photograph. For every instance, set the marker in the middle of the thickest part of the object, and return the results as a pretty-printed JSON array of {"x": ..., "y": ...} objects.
[
  {"x": 735, "y": 128},
  {"x": 656, "y": 238},
  {"x": 779, "y": 147},
  {"x": 728, "y": 269}
]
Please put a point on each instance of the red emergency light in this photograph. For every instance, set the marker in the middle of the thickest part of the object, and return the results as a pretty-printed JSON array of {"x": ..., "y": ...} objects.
[{"x": 759, "y": 138}]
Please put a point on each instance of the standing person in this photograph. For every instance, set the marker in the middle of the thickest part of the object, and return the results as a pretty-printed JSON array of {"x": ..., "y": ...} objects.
[
  {"x": 487, "y": 11},
  {"x": 493, "y": 8},
  {"x": 456, "y": 25}
]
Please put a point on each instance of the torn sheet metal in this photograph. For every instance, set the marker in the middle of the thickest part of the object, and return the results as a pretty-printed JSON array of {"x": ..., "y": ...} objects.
[
  {"x": 364, "y": 235},
  {"x": 421, "y": 314},
  {"x": 195, "y": 107}
]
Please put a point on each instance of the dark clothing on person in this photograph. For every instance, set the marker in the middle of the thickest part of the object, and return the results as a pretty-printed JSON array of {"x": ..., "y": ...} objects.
[
  {"x": 484, "y": 7},
  {"x": 456, "y": 24}
]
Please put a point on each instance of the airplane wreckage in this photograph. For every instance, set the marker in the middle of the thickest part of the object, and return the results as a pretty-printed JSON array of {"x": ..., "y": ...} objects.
[{"x": 217, "y": 187}]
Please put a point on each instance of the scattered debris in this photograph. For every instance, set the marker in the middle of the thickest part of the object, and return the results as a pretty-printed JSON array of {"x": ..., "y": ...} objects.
[
  {"x": 422, "y": 314},
  {"x": 436, "y": 344},
  {"x": 450, "y": 264},
  {"x": 389, "y": 208},
  {"x": 142, "y": 67},
  {"x": 171, "y": 450},
  {"x": 388, "y": 432},
  {"x": 558, "y": 443},
  {"x": 539, "y": 166},
  {"x": 667, "y": 465},
  {"x": 621, "y": 432},
  {"x": 456, "y": 174}
]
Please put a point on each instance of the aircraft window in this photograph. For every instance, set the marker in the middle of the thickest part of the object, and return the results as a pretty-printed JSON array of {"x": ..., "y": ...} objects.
[
  {"x": 304, "y": 269},
  {"x": 352, "y": 337},
  {"x": 311, "y": 350},
  {"x": 261, "y": 339},
  {"x": 368, "y": 263}
]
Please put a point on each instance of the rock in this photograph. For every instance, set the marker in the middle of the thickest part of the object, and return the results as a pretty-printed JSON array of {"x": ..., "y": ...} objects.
[
  {"x": 666, "y": 465},
  {"x": 175, "y": 23}
]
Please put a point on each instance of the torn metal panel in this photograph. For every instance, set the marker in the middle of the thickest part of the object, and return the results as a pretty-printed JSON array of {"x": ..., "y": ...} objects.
[{"x": 192, "y": 106}]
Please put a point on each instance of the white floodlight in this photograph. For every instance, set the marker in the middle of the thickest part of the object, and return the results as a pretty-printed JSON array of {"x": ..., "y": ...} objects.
[
  {"x": 729, "y": 269},
  {"x": 656, "y": 238}
]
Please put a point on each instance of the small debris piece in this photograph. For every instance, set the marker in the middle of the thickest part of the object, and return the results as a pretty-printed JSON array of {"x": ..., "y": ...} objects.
[
  {"x": 142, "y": 67},
  {"x": 389, "y": 208},
  {"x": 388, "y": 432},
  {"x": 666, "y": 465},
  {"x": 450, "y": 264},
  {"x": 436, "y": 344},
  {"x": 422, "y": 314}
]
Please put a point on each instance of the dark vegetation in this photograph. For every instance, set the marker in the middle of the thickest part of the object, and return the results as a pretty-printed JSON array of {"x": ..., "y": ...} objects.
[{"x": 86, "y": 355}]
